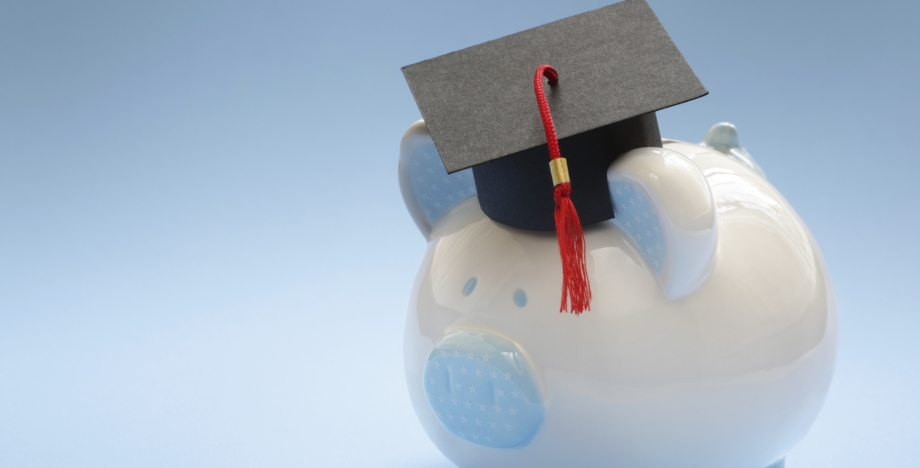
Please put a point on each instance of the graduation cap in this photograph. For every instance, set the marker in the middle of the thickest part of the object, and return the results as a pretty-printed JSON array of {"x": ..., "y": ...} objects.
[{"x": 609, "y": 70}]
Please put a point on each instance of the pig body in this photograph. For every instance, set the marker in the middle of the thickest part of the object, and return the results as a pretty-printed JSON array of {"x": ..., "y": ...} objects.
[{"x": 710, "y": 341}]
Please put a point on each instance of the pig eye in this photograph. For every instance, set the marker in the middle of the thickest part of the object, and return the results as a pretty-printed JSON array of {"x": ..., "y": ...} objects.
[
  {"x": 520, "y": 297},
  {"x": 470, "y": 286}
]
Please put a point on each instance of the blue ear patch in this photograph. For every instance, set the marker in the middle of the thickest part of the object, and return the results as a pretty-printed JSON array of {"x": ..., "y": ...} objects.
[
  {"x": 634, "y": 214},
  {"x": 434, "y": 190},
  {"x": 483, "y": 390}
]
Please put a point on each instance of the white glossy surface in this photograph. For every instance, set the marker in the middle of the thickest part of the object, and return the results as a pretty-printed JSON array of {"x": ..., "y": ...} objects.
[
  {"x": 684, "y": 206},
  {"x": 731, "y": 375}
]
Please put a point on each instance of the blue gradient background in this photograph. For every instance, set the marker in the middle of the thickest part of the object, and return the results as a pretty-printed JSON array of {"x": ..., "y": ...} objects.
[{"x": 205, "y": 259}]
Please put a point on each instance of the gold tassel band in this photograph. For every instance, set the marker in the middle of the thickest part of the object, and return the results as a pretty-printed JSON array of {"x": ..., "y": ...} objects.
[{"x": 560, "y": 171}]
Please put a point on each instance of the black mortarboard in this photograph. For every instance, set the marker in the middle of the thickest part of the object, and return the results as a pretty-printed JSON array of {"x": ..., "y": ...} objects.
[{"x": 617, "y": 66}]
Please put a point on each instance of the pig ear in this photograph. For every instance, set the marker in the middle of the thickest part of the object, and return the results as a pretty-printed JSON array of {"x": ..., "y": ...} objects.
[
  {"x": 662, "y": 201},
  {"x": 428, "y": 190}
]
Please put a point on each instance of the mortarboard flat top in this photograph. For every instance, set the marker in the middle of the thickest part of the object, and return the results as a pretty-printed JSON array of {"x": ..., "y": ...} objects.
[{"x": 614, "y": 63}]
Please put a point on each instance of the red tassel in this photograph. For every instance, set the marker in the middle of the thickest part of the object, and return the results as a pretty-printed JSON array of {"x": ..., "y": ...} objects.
[{"x": 576, "y": 289}]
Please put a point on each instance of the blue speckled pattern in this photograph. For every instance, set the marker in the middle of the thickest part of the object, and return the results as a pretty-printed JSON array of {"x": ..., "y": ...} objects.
[
  {"x": 435, "y": 190},
  {"x": 634, "y": 214},
  {"x": 483, "y": 390}
]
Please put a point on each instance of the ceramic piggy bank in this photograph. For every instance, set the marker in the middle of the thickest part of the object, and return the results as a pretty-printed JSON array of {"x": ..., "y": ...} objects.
[{"x": 710, "y": 341}]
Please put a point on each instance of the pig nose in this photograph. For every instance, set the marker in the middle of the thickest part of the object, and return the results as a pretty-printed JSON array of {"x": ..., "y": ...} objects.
[{"x": 482, "y": 389}]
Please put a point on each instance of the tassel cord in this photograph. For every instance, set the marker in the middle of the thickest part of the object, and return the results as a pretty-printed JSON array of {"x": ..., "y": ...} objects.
[{"x": 576, "y": 288}]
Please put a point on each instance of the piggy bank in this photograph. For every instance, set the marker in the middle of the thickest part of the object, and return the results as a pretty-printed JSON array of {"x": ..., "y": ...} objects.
[{"x": 710, "y": 341}]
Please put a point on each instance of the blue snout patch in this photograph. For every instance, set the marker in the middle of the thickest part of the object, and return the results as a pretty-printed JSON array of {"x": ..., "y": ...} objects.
[{"x": 483, "y": 390}]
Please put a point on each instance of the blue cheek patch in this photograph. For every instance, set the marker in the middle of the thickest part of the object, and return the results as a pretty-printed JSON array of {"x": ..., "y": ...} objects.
[
  {"x": 634, "y": 214},
  {"x": 435, "y": 191},
  {"x": 483, "y": 390}
]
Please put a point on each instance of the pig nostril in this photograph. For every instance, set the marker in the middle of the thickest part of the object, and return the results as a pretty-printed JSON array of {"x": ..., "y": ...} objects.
[
  {"x": 520, "y": 297},
  {"x": 469, "y": 286}
]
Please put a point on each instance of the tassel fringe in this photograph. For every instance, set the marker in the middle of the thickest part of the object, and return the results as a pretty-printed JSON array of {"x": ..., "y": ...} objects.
[{"x": 576, "y": 289}]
